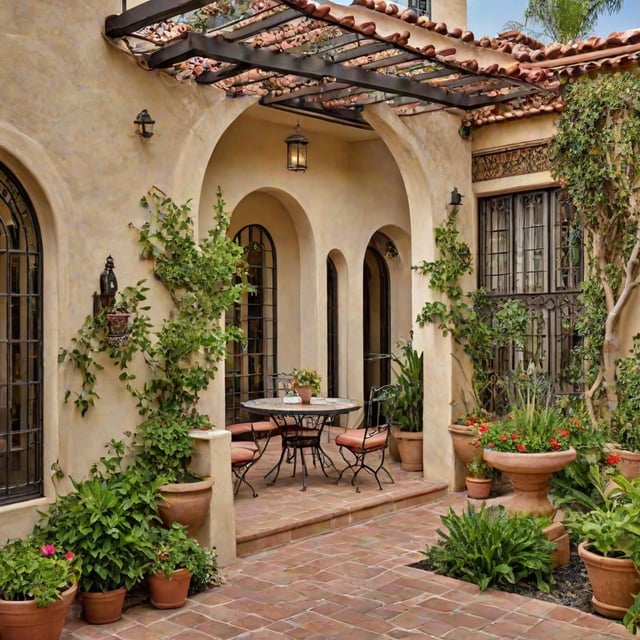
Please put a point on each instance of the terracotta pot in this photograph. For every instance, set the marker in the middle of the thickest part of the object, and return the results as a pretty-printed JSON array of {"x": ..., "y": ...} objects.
[
  {"x": 186, "y": 503},
  {"x": 305, "y": 394},
  {"x": 462, "y": 436},
  {"x": 629, "y": 465},
  {"x": 614, "y": 582},
  {"x": 410, "y": 449},
  {"x": 169, "y": 593},
  {"x": 478, "y": 488},
  {"x": 529, "y": 474},
  {"x": 24, "y": 619},
  {"x": 102, "y": 607}
]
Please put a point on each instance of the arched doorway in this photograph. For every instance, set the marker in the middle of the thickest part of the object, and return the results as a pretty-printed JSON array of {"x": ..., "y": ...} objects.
[{"x": 376, "y": 317}]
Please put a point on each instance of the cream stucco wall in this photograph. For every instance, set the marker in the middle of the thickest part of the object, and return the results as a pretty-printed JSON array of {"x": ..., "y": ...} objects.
[{"x": 66, "y": 131}]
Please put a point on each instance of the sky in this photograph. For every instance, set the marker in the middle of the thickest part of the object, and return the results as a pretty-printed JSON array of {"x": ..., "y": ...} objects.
[{"x": 488, "y": 17}]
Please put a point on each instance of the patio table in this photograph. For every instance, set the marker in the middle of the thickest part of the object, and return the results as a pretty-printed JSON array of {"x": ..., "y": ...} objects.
[{"x": 304, "y": 431}]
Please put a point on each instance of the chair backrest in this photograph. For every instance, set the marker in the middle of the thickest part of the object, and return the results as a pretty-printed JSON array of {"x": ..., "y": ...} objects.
[
  {"x": 280, "y": 384},
  {"x": 382, "y": 404}
]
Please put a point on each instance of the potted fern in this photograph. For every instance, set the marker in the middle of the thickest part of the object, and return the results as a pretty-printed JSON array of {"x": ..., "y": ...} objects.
[{"x": 407, "y": 418}]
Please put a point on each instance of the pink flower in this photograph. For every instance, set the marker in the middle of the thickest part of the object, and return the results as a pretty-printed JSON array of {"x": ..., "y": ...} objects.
[
  {"x": 48, "y": 549},
  {"x": 69, "y": 555}
]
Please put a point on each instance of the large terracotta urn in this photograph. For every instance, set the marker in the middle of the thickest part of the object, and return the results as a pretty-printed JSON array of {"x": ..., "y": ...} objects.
[
  {"x": 629, "y": 465},
  {"x": 529, "y": 474},
  {"x": 614, "y": 582},
  {"x": 462, "y": 437},
  {"x": 410, "y": 449},
  {"x": 186, "y": 503}
]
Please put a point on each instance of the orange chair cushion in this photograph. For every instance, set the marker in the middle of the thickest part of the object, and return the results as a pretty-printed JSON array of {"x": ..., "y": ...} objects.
[
  {"x": 240, "y": 455},
  {"x": 244, "y": 428},
  {"x": 352, "y": 439}
]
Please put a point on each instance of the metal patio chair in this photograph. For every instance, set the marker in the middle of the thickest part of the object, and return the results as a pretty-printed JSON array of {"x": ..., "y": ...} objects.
[{"x": 370, "y": 442}]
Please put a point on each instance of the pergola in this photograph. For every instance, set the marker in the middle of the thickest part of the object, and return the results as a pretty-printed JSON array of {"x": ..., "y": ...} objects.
[{"x": 327, "y": 61}]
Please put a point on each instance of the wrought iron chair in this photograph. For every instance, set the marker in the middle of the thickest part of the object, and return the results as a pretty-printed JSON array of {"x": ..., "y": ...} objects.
[
  {"x": 371, "y": 441},
  {"x": 249, "y": 441}
]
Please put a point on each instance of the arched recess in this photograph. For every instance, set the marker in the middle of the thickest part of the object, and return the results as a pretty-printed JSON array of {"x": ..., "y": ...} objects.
[
  {"x": 279, "y": 222},
  {"x": 337, "y": 317}
]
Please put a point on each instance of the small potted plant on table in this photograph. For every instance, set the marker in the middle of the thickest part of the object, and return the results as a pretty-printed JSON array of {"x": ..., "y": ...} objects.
[{"x": 306, "y": 383}]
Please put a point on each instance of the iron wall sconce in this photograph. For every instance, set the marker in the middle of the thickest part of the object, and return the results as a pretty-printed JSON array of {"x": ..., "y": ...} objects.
[
  {"x": 144, "y": 124},
  {"x": 297, "y": 151},
  {"x": 117, "y": 319},
  {"x": 456, "y": 198}
]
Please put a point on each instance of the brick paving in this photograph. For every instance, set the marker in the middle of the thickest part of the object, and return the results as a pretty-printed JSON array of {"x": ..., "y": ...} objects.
[{"x": 351, "y": 583}]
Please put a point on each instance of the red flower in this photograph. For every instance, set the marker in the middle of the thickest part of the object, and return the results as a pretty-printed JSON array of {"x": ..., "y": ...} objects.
[
  {"x": 491, "y": 445},
  {"x": 69, "y": 555},
  {"x": 565, "y": 433},
  {"x": 554, "y": 443},
  {"x": 521, "y": 448},
  {"x": 612, "y": 460},
  {"x": 503, "y": 436},
  {"x": 514, "y": 436},
  {"x": 483, "y": 428}
]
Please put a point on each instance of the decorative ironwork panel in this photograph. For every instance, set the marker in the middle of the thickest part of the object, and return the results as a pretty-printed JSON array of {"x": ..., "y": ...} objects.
[
  {"x": 250, "y": 367},
  {"x": 502, "y": 163},
  {"x": 21, "y": 413}
]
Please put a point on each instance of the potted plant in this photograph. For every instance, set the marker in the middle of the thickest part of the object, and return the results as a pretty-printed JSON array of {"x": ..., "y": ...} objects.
[
  {"x": 407, "y": 417},
  {"x": 609, "y": 540},
  {"x": 106, "y": 520},
  {"x": 37, "y": 586},
  {"x": 479, "y": 478},
  {"x": 306, "y": 383},
  {"x": 179, "y": 356},
  {"x": 177, "y": 557}
]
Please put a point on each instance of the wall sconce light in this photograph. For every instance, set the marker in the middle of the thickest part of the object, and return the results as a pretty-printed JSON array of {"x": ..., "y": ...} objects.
[
  {"x": 297, "y": 151},
  {"x": 390, "y": 251},
  {"x": 456, "y": 197},
  {"x": 144, "y": 124},
  {"x": 117, "y": 319}
]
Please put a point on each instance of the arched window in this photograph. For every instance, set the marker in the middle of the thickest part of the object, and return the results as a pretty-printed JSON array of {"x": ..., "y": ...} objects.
[
  {"x": 251, "y": 367},
  {"x": 332, "y": 329},
  {"x": 21, "y": 433}
]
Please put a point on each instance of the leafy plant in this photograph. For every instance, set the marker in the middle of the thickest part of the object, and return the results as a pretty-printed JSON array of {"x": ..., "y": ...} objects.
[
  {"x": 594, "y": 155},
  {"x": 492, "y": 548},
  {"x": 107, "y": 521},
  {"x": 409, "y": 367},
  {"x": 477, "y": 323},
  {"x": 478, "y": 468},
  {"x": 306, "y": 378},
  {"x": 610, "y": 522},
  {"x": 181, "y": 355},
  {"x": 174, "y": 549},
  {"x": 29, "y": 571}
]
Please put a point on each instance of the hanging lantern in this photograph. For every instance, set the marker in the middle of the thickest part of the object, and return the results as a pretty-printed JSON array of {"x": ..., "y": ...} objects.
[{"x": 297, "y": 151}]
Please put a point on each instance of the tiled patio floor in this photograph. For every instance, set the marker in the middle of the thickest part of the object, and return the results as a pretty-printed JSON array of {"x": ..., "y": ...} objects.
[{"x": 351, "y": 583}]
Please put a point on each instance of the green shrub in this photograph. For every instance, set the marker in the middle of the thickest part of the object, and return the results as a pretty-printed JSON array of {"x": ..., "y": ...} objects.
[{"x": 493, "y": 548}]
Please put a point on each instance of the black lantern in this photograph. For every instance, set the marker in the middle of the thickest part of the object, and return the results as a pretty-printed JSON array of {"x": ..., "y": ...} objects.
[
  {"x": 297, "y": 151},
  {"x": 144, "y": 124},
  {"x": 456, "y": 198}
]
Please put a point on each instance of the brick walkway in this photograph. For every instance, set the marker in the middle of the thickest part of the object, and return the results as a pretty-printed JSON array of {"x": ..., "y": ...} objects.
[{"x": 353, "y": 584}]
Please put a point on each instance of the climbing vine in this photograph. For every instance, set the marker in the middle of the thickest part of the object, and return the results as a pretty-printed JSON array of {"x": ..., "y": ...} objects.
[{"x": 594, "y": 154}]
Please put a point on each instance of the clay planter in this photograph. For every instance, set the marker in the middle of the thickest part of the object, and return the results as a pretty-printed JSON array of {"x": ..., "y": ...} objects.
[
  {"x": 462, "y": 436},
  {"x": 529, "y": 474},
  {"x": 22, "y": 619},
  {"x": 186, "y": 503},
  {"x": 478, "y": 488},
  {"x": 169, "y": 593},
  {"x": 103, "y": 607},
  {"x": 614, "y": 582},
  {"x": 629, "y": 465},
  {"x": 409, "y": 448},
  {"x": 305, "y": 394}
]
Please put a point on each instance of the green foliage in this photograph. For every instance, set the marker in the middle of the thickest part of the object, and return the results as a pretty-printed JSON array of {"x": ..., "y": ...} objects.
[
  {"x": 594, "y": 154},
  {"x": 564, "y": 20},
  {"x": 181, "y": 355},
  {"x": 106, "y": 521},
  {"x": 174, "y": 549},
  {"x": 476, "y": 322},
  {"x": 306, "y": 378},
  {"x": 631, "y": 618},
  {"x": 204, "y": 570},
  {"x": 29, "y": 571},
  {"x": 492, "y": 548},
  {"x": 409, "y": 365},
  {"x": 610, "y": 521},
  {"x": 624, "y": 426},
  {"x": 478, "y": 468}
]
